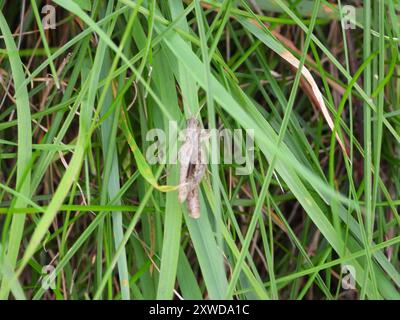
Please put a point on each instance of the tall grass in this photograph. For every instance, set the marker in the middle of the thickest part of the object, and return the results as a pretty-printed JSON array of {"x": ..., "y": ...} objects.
[{"x": 79, "y": 197}]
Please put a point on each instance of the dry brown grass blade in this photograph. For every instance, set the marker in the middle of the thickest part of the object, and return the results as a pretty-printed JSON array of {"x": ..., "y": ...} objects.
[{"x": 317, "y": 95}]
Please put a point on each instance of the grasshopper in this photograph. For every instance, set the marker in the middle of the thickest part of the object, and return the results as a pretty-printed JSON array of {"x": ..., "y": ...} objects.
[{"x": 192, "y": 168}]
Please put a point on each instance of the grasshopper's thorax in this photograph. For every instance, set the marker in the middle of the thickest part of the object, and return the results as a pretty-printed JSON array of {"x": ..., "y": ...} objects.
[{"x": 193, "y": 131}]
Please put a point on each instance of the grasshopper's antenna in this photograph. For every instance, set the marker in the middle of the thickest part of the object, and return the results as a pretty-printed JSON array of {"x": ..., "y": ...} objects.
[{"x": 199, "y": 110}]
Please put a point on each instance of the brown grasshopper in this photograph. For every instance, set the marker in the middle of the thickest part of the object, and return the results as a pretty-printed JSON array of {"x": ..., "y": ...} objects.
[{"x": 191, "y": 158}]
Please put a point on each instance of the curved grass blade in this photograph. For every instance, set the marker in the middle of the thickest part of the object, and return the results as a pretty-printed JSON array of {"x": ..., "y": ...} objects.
[{"x": 24, "y": 152}]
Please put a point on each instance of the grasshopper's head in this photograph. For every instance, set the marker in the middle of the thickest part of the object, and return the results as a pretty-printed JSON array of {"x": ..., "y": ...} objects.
[{"x": 192, "y": 123}]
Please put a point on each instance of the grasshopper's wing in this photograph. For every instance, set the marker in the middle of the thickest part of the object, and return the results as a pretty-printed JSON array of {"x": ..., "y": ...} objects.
[
  {"x": 193, "y": 203},
  {"x": 184, "y": 156},
  {"x": 200, "y": 167}
]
